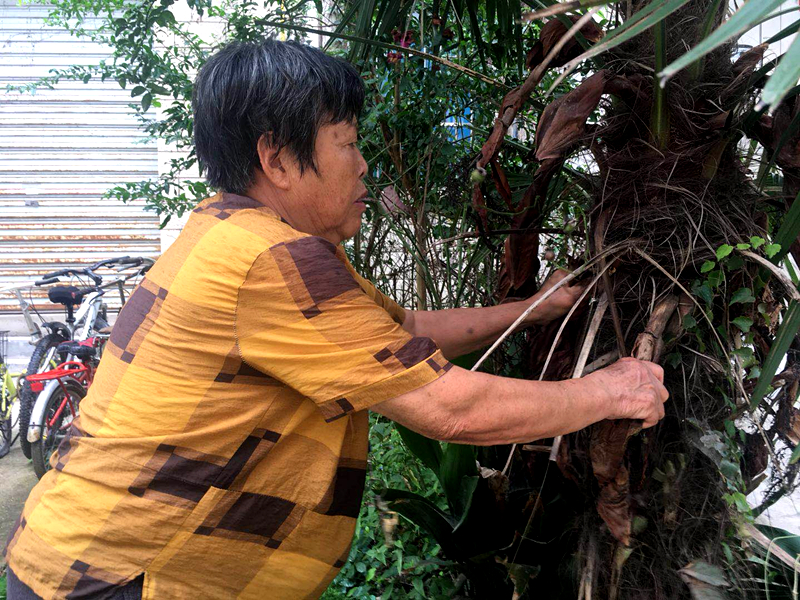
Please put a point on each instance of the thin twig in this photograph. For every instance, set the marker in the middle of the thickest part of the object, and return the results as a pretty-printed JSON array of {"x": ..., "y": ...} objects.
[
  {"x": 777, "y": 271},
  {"x": 394, "y": 47},
  {"x": 580, "y": 366},
  {"x": 534, "y": 305},
  {"x": 555, "y": 343},
  {"x": 559, "y": 9},
  {"x": 472, "y": 234},
  {"x": 603, "y": 361},
  {"x": 599, "y": 234}
]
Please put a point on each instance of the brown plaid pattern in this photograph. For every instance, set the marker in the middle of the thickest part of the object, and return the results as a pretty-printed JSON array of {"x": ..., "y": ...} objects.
[{"x": 212, "y": 453}]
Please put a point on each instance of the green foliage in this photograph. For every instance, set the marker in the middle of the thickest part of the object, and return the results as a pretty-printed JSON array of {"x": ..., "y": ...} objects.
[
  {"x": 784, "y": 78},
  {"x": 409, "y": 566},
  {"x": 724, "y": 251},
  {"x": 783, "y": 339},
  {"x": 749, "y": 15},
  {"x": 645, "y": 18},
  {"x": 427, "y": 450}
]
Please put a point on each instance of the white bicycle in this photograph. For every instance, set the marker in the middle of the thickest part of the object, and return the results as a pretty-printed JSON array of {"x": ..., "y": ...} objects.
[{"x": 55, "y": 391}]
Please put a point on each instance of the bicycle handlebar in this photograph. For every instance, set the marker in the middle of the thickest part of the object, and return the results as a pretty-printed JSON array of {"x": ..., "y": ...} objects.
[{"x": 123, "y": 261}]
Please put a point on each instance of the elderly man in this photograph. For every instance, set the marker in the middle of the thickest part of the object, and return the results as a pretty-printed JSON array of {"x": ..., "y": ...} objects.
[{"x": 221, "y": 451}]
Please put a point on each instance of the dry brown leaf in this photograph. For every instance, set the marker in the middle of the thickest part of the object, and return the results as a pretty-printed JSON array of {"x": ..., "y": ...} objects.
[
  {"x": 480, "y": 205},
  {"x": 742, "y": 70},
  {"x": 789, "y": 155},
  {"x": 551, "y": 34},
  {"x": 391, "y": 201},
  {"x": 794, "y": 427},
  {"x": 607, "y": 452},
  {"x": 501, "y": 183},
  {"x": 718, "y": 121},
  {"x": 564, "y": 122},
  {"x": 522, "y": 257},
  {"x": 610, "y": 438},
  {"x": 748, "y": 61}
]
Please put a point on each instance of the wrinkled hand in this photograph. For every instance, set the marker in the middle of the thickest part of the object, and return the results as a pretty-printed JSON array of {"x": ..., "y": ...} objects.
[
  {"x": 635, "y": 390},
  {"x": 560, "y": 302}
]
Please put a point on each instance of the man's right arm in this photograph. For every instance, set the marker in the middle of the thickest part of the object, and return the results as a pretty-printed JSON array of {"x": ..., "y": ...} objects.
[{"x": 481, "y": 409}]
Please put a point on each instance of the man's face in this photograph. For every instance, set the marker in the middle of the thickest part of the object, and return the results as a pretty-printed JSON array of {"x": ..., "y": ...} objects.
[{"x": 329, "y": 203}]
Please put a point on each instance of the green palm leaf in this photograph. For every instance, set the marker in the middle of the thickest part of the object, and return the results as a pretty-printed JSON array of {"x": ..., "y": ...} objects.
[
  {"x": 784, "y": 78},
  {"x": 783, "y": 340},
  {"x": 643, "y": 20},
  {"x": 749, "y": 15}
]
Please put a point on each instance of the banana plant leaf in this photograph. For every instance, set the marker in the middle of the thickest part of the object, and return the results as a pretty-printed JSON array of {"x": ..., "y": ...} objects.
[
  {"x": 427, "y": 515},
  {"x": 427, "y": 450},
  {"x": 785, "y": 539},
  {"x": 458, "y": 475}
]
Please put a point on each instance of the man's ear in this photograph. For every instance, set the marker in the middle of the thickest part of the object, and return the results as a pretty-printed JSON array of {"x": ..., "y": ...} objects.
[{"x": 273, "y": 163}]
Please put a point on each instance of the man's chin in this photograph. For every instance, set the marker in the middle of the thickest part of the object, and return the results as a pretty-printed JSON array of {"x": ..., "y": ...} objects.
[{"x": 351, "y": 229}]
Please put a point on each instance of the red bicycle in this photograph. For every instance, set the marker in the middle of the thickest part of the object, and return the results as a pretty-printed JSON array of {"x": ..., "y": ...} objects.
[{"x": 67, "y": 385}]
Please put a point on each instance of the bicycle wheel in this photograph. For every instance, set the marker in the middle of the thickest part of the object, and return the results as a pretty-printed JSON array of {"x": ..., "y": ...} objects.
[
  {"x": 38, "y": 363},
  {"x": 60, "y": 412},
  {"x": 6, "y": 426}
]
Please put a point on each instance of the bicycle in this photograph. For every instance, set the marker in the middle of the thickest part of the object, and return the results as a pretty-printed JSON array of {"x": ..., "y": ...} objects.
[
  {"x": 69, "y": 382},
  {"x": 89, "y": 322},
  {"x": 9, "y": 384},
  {"x": 42, "y": 358}
]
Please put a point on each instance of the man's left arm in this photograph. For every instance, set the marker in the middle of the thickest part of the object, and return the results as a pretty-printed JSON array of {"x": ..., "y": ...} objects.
[{"x": 459, "y": 331}]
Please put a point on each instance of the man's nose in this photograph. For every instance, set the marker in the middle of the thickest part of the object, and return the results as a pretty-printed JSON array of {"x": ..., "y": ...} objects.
[{"x": 362, "y": 167}]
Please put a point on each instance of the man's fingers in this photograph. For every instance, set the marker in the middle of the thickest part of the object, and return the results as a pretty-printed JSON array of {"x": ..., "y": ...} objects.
[
  {"x": 656, "y": 370},
  {"x": 555, "y": 277},
  {"x": 664, "y": 394}
]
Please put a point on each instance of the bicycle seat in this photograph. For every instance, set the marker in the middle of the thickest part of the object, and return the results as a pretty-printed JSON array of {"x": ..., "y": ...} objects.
[
  {"x": 76, "y": 349},
  {"x": 68, "y": 295}
]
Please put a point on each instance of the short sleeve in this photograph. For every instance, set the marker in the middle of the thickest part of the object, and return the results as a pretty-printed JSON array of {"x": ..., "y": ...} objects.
[
  {"x": 303, "y": 318},
  {"x": 397, "y": 312}
]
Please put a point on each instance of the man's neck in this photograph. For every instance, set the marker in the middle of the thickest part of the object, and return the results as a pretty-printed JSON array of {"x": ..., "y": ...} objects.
[{"x": 286, "y": 209}]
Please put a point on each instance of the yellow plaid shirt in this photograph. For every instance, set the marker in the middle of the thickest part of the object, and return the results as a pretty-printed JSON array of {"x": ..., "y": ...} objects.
[{"x": 222, "y": 448}]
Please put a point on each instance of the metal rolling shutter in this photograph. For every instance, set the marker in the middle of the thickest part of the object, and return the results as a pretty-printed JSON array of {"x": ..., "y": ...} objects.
[{"x": 60, "y": 150}]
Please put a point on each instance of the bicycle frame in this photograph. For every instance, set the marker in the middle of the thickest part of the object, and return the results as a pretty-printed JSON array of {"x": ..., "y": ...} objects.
[
  {"x": 80, "y": 372},
  {"x": 87, "y": 314},
  {"x": 9, "y": 386},
  {"x": 10, "y": 382},
  {"x": 49, "y": 382},
  {"x": 80, "y": 327}
]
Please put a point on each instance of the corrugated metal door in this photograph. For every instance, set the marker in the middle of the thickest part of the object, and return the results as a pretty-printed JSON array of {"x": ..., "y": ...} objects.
[{"x": 60, "y": 150}]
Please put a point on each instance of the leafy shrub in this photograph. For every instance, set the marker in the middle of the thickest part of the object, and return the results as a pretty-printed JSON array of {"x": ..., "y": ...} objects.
[{"x": 409, "y": 566}]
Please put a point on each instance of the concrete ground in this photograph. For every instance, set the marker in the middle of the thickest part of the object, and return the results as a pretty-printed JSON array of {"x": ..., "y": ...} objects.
[{"x": 16, "y": 480}]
